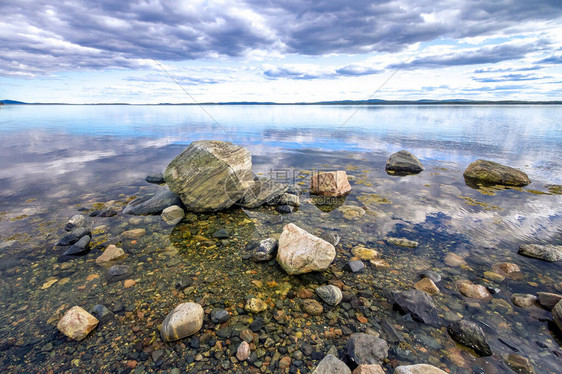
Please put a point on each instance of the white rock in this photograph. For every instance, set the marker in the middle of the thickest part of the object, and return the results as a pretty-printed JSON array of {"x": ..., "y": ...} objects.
[
  {"x": 301, "y": 252},
  {"x": 185, "y": 320},
  {"x": 172, "y": 215},
  {"x": 418, "y": 369}
]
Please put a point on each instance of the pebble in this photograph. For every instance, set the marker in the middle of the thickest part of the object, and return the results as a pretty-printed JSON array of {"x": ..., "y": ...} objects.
[
  {"x": 402, "y": 242},
  {"x": 243, "y": 351},
  {"x": 418, "y": 369},
  {"x": 475, "y": 291},
  {"x": 364, "y": 253},
  {"x": 494, "y": 276},
  {"x": 284, "y": 209},
  {"x": 369, "y": 369},
  {"x": 219, "y": 316},
  {"x": 426, "y": 285},
  {"x": 117, "y": 273},
  {"x": 255, "y": 305},
  {"x": 506, "y": 267},
  {"x": 356, "y": 266},
  {"x": 380, "y": 264},
  {"x": 129, "y": 283},
  {"x": 523, "y": 300},
  {"x": 330, "y": 294},
  {"x": 185, "y": 320},
  {"x": 366, "y": 349},
  {"x": 134, "y": 234},
  {"x": 111, "y": 253},
  {"x": 172, "y": 215},
  {"x": 454, "y": 260},
  {"x": 331, "y": 365},
  {"x": 312, "y": 307},
  {"x": 548, "y": 300},
  {"x": 518, "y": 364},
  {"x": 77, "y": 323}
]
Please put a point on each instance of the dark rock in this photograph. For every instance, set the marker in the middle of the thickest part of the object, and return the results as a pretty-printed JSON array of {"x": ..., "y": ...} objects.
[
  {"x": 356, "y": 266},
  {"x": 435, "y": 277},
  {"x": 101, "y": 313},
  {"x": 470, "y": 334},
  {"x": 221, "y": 234},
  {"x": 79, "y": 248},
  {"x": 109, "y": 212},
  {"x": 117, "y": 273},
  {"x": 257, "y": 325},
  {"x": 153, "y": 204},
  {"x": 157, "y": 178},
  {"x": 284, "y": 209},
  {"x": 363, "y": 349},
  {"x": 265, "y": 251},
  {"x": 419, "y": 305},
  {"x": 404, "y": 162},
  {"x": 219, "y": 316},
  {"x": 184, "y": 283},
  {"x": 551, "y": 253},
  {"x": 390, "y": 332},
  {"x": 492, "y": 173},
  {"x": 73, "y": 236}
]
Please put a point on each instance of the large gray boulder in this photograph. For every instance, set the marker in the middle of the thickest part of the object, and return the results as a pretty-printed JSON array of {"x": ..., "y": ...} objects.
[
  {"x": 210, "y": 175},
  {"x": 153, "y": 203},
  {"x": 491, "y": 173},
  {"x": 301, "y": 252},
  {"x": 403, "y": 162}
]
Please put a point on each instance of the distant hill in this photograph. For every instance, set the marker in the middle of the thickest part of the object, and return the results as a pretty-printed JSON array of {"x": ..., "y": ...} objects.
[{"x": 11, "y": 102}]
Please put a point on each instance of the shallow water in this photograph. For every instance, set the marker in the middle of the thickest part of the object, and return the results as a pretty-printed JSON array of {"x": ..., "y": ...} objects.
[{"x": 56, "y": 161}]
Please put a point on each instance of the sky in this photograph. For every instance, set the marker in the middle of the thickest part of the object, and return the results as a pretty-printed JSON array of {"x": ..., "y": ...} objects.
[{"x": 185, "y": 51}]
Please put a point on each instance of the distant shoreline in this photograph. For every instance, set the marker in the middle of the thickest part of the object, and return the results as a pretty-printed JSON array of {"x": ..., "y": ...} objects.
[{"x": 342, "y": 102}]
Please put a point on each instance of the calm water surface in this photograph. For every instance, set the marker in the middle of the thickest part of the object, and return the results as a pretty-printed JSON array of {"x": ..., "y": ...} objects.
[{"x": 56, "y": 161}]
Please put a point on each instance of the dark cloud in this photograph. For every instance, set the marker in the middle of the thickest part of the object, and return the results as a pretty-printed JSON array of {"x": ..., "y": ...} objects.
[
  {"x": 484, "y": 55},
  {"x": 509, "y": 78},
  {"x": 43, "y": 36}
]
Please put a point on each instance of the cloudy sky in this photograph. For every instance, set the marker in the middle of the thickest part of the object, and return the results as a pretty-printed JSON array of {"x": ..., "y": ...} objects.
[{"x": 80, "y": 51}]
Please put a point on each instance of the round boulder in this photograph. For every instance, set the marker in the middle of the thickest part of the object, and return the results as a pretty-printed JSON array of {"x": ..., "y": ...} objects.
[{"x": 185, "y": 320}]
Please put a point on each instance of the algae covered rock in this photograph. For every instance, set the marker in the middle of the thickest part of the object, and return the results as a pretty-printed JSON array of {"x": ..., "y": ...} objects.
[
  {"x": 210, "y": 175},
  {"x": 492, "y": 173}
]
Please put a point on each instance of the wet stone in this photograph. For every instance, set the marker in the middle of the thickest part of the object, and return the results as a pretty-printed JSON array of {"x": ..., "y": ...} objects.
[
  {"x": 369, "y": 369},
  {"x": 157, "y": 178},
  {"x": 243, "y": 351},
  {"x": 435, "y": 277},
  {"x": 426, "y": 285},
  {"x": 518, "y": 364},
  {"x": 73, "y": 236},
  {"x": 312, "y": 307},
  {"x": 76, "y": 221},
  {"x": 475, "y": 291},
  {"x": 402, "y": 242},
  {"x": 524, "y": 300},
  {"x": 506, "y": 268},
  {"x": 265, "y": 251},
  {"x": 80, "y": 248},
  {"x": 557, "y": 314},
  {"x": 330, "y": 294},
  {"x": 418, "y": 304},
  {"x": 186, "y": 319},
  {"x": 356, "y": 266},
  {"x": 470, "y": 334},
  {"x": 221, "y": 234},
  {"x": 366, "y": 349},
  {"x": 111, "y": 253},
  {"x": 548, "y": 300},
  {"x": 331, "y": 237},
  {"x": 77, "y": 323},
  {"x": 255, "y": 305},
  {"x": 284, "y": 209},
  {"x": 133, "y": 234},
  {"x": 101, "y": 313},
  {"x": 172, "y": 215},
  {"x": 219, "y": 316},
  {"x": 331, "y": 365},
  {"x": 183, "y": 283},
  {"x": 551, "y": 253},
  {"x": 403, "y": 162},
  {"x": 117, "y": 273},
  {"x": 418, "y": 369}
]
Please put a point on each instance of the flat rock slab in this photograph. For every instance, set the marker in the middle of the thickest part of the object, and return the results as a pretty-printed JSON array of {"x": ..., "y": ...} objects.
[
  {"x": 111, "y": 253},
  {"x": 548, "y": 252},
  {"x": 418, "y": 369},
  {"x": 79, "y": 248},
  {"x": 419, "y": 305},
  {"x": 77, "y": 323},
  {"x": 301, "y": 252},
  {"x": 364, "y": 349},
  {"x": 403, "y": 162},
  {"x": 153, "y": 204},
  {"x": 186, "y": 319},
  {"x": 402, "y": 242},
  {"x": 491, "y": 173}
]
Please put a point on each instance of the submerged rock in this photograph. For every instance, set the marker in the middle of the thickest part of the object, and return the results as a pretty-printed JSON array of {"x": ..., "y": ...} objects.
[
  {"x": 366, "y": 349},
  {"x": 76, "y": 221},
  {"x": 186, "y": 319},
  {"x": 492, "y": 173},
  {"x": 356, "y": 266},
  {"x": 470, "y": 334},
  {"x": 79, "y": 248},
  {"x": 77, "y": 323},
  {"x": 331, "y": 183},
  {"x": 312, "y": 307},
  {"x": 301, "y": 252},
  {"x": 546, "y": 252},
  {"x": 557, "y": 314},
  {"x": 243, "y": 351},
  {"x": 157, "y": 178},
  {"x": 289, "y": 199},
  {"x": 518, "y": 364},
  {"x": 101, "y": 312},
  {"x": 403, "y": 162},
  {"x": 402, "y": 242},
  {"x": 418, "y": 304},
  {"x": 118, "y": 273},
  {"x": 418, "y": 369},
  {"x": 265, "y": 251},
  {"x": 173, "y": 215},
  {"x": 524, "y": 300},
  {"x": 331, "y": 237},
  {"x": 210, "y": 175},
  {"x": 261, "y": 192},
  {"x": 284, "y": 209},
  {"x": 153, "y": 204},
  {"x": 331, "y": 365},
  {"x": 219, "y": 315},
  {"x": 435, "y": 277},
  {"x": 73, "y": 236},
  {"x": 548, "y": 300},
  {"x": 475, "y": 291},
  {"x": 330, "y": 294},
  {"x": 111, "y": 253},
  {"x": 255, "y": 305},
  {"x": 426, "y": 285}
]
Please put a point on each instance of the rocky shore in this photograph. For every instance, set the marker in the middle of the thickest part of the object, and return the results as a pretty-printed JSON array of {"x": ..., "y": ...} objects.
[{"x": 224, "y": 271}]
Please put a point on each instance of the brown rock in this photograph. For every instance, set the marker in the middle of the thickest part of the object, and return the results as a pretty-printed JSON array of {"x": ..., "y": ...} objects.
[
  {"x": 133, "y": 234},
  {"x": 519, "y": 364},
  {"x": 523, "y": 300},
  {"x": 454, "y": 260},
  {"x": 313, "y": 307},
  {"x": 129, "y": 283},
  {"x": 243, "y": 351},
  {"x": 494, "y": 276},
  {"x": 285, "y": 362},
  {"x": 506, "y": 268},
  {"x": 428, "y": 286},
  {"x": 380, "y": 264},
  {"x": 111, "y": 253},
  {"x": 548, "y": 300},
  {"x": 77, "y": 323},
  {"x": 364, "y": 253},
  {"x": 255, "y": 305},
  {"x": 369, "y": 369},
  {"x": 331, "y": 183},
  {"x": 475, "y": 291},
  {"x": 305, "y": 293}
]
